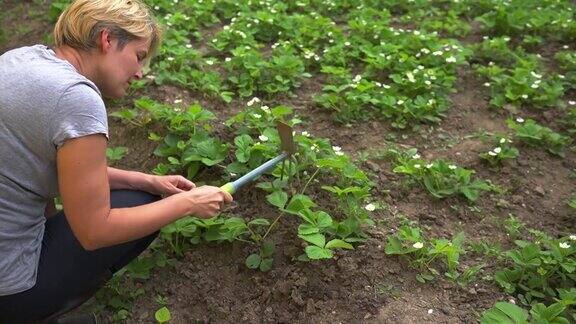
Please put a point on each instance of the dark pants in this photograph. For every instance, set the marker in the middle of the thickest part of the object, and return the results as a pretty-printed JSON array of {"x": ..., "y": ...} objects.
[{"x": 68, "y": 275}]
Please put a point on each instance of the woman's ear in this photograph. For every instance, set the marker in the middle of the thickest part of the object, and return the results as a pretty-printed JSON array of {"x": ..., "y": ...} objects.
[{"x": 105, "y": 41}]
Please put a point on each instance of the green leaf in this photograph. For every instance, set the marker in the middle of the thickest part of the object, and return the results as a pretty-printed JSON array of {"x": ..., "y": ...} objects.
[
  {"x": 298, "y": 203},
  {"x": 243, "y": 144},
  {"x": 305, "y": 229},
  {"x": 316, "y": 253},
  {"x": 266, "y": 264},
  {"x": 193, "y": 170},
  {"x": 116, "y": 153},
  {"x": 281, "y": 111},
  {"x": 394, "y": 246},
  {"x": 278, "y": 199},
  {"x": 338, "y": 244},
  {"x": 267, "y": 249},
  {"x": 253, "y": 261},
  {"x": 316, "y": 239},
  {"x": 163, "y": 315},
  {"x": 323, "y": 219},
  {"x": 259, "y": 222},
  {"x": 504, "y": 313},
  {"x": 541, "y": 313}
]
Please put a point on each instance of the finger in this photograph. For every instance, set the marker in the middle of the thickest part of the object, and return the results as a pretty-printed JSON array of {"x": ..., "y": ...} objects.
[
  {"x": 184, "y": 183},
  {"x": 227, "y": 196},
  {"x": 170, "y": 189}
]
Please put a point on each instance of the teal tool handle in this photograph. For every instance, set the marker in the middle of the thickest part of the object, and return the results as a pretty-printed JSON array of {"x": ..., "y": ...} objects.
[{"x": 232, "y": 187}]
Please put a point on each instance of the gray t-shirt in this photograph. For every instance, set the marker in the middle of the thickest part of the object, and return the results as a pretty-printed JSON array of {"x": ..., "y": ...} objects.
[{"x": 43, "y": 102}]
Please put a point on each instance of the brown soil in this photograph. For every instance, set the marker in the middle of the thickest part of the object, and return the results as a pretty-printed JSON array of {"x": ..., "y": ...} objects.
[{"x": 211, "y": 284}]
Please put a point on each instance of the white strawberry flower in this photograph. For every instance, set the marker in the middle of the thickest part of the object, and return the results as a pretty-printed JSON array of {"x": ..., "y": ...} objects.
[
  {"x": 305, "y": 134},
  {"x": 497, "y": 150},
  {"x": 177, "y": 101},
  {"x": 452, "y": 167},
  {"x": 336, "y": 148},
  {"x": 520, "y": 119},
  {"x": 572, "y": 102},
  {"x": 416, "y": 156},
  {"x": 257, "y": 116},
  {"x": 573, "y": 237},
  {"x": 210, "y": 62},
  {"x": 524, "y": 96},
  {"x": 418, "y": 245},
  {"x": 492, "y": 153},
  {"x": 170, "y": 58},
  {"x": 370, "y": 207},
  {"x": 536, "y": 75},
  {"x": 429, "y": 165},
  {"x": 417, "y": 166},
  {"x": 451, "y": 59},
  {"x": 502, "y": 140},
  {"x": 263, "y": 138},
  {"x": 564, "y": 245}
]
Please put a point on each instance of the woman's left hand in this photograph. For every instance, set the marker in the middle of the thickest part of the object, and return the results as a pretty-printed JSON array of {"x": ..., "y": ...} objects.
[{"x": 168, "y": 185}]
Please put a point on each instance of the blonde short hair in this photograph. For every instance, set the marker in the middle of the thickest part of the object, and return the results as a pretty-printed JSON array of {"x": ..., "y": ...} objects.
[{"x": 126, "y": 20}]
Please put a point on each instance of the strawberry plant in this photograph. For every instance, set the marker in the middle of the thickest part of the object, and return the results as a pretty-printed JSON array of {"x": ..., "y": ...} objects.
[
  {"x": 531, "y": 133},
  {"x": 567, "y": 62},
  {"x": 409, "y": 241},
  {"x": 116, "y": 153},
  {"x": 558, "y": 312},
  {"x": 503, "y": 150},
  {"x": 551, "y": 19},
  {"x": 249, "y": 72},
  {"x": 538, "y": 269},
  {"x": 439, "y": 177}
]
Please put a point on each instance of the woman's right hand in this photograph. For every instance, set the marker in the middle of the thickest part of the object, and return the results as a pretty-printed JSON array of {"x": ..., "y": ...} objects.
[{"x": 206, "y": 201}]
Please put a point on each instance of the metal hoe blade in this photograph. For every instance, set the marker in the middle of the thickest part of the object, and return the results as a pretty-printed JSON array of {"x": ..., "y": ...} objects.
[{"x": 286, "y": 137}]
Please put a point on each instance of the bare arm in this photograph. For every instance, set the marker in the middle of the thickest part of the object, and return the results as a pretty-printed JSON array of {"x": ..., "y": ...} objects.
[
  {"x": 159, "y": 185},
  {"x": 123, "y": 179},
  {"x": 85, "y": 190}
]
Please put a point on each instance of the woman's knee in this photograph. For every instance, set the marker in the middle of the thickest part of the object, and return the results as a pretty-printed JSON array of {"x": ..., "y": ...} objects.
[{"x": 130, "y": 198}]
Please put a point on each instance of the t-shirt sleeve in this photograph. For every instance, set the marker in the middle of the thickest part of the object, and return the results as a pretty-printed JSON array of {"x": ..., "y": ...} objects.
[{"x": 80, "y": 111}]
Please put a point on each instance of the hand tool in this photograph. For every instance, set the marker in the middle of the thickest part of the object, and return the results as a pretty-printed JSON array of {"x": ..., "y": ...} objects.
[{"x": 288, "y": 148}]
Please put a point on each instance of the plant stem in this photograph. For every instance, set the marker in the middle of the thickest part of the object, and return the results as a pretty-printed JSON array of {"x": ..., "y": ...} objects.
[
  {"x": 272, "y": 225},
  {"x": 282, "y": 213},
  {"x": 309, "y": 180}
]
